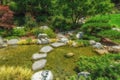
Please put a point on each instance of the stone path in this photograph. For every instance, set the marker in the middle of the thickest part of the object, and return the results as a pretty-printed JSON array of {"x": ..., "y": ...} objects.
[{"x": 40, "y": 62}]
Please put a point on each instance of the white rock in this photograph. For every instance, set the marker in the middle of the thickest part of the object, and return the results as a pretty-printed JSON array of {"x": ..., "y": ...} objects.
[
  {"x": 39, "y": 56},
  {"x": 64, "y": 40},
  {"x": 46, "y": 49},
  {"x": 92, "y": 42},
  {"x": 79, "y": 35},
  {"x": 12, "y": 42},
  {"x": 57, "y": 44},
  {"x": 39, "y": 64},
  {"x": 42, "y": 75}
]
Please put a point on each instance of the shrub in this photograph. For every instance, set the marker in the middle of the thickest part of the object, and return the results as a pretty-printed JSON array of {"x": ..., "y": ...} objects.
[
  {"x": 97, "y": 24},
  {"x": 18, "y": 31},
  {"x": 6, "y": 17},
  {"x": 30, "y": 22},
  {"x": 106, "y": 66},
  {"x": 49, "y": 32},
  {"x": 15, "y": 73},
  {"x": 36, "y": 31},
  {"x": 110, "y": 34}
]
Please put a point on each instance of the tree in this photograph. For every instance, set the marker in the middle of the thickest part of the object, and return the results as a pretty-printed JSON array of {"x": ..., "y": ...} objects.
[
  {"x": 6, "y": 17},
  {"x": 76, "y": 9}
]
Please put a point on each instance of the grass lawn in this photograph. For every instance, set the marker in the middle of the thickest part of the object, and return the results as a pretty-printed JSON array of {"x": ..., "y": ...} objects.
[{"x": 61, "y": 66}]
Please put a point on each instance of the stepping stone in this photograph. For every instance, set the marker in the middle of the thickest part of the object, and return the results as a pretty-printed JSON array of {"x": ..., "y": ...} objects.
[
  {"x": 39, "y": 64},
  {"x": 46, "y": 49},
  {"x": 57, "y": 44},
  {"x": 42, "y": 75},
  {"x": 39, "y": 56}
]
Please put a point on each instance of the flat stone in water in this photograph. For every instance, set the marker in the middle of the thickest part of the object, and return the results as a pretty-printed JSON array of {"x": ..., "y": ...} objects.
[
  {"x": 46, "y": 49},
  {"x": 39, "y": 64},
  {"x": 57, "y": 44},
  {"x": 39, "y": 56}
]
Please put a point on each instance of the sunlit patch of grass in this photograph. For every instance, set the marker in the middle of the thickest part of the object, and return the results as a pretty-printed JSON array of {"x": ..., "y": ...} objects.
[
  {"x": 15, "y": 73},
  {"x": 62, "y": 66},
  {"x": 18, "y": 55}
]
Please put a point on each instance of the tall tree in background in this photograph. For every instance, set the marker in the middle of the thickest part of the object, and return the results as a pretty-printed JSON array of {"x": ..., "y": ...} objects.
[{"x": 76, "y": 9}]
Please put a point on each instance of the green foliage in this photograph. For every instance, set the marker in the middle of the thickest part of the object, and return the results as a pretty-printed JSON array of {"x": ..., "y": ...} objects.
[
  {"x": 18, "y": 31},
  {"x": 30, "y": 21},
  {"x": 113, "y": 34},
  {"x": 49, "y": 32},
  {"x": 106, "y": 67},
  {"x": 36, "y": 31},
  {"x": 97, "y": 24}
]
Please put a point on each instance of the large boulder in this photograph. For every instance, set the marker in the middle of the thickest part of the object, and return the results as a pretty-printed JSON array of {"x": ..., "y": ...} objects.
[
  {"x": 46, "y": 49},
  {"x": 64, "y": 40},
  {"x": 39, "y": 64},
  {"x": 57, "y": 44},
  {"x": 12, "y": 42},
  {"x": 43, "y": 39},
  {"x": 39, "y": 56},
  {"x": 42, "y": 75}
]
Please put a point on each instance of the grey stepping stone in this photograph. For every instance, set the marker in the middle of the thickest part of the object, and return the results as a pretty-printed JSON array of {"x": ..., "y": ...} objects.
[
  {"x": 39, "y": 56},
  {"x": 39, "y": 64},
  {"x": 57, "y": 44},
  {"x": 46, "y": 49}
]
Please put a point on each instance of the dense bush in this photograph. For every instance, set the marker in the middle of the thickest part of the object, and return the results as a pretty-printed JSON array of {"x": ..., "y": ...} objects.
[
  {"x": 106, "y": 67},
  {"x": 113, "y": 34},
  {"x": 6, "y": 17},
  {"x": 49, "y": 32},
  {"x": 30, "y": 21},
  {"x": 18, "y": 31},
  {"x": 96, "y": 24}
]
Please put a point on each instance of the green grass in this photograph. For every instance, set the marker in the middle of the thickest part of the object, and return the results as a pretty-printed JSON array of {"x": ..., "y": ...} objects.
[{"x": 61, "y": 66}]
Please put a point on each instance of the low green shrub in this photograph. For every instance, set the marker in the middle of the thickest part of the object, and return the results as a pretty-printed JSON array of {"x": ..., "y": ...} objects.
[
  {"x": 18, "y": 32},
  {"x": 15, "y": 73},
  {"x": 36, "y": 31},
  {"x": 49, "y": 32},
  {"x": 106, "y": 67},
  {"x": 110, "y": 34}
]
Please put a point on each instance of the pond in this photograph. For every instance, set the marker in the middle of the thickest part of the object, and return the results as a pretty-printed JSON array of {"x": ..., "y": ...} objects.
[{"x": 60, "y": 65}]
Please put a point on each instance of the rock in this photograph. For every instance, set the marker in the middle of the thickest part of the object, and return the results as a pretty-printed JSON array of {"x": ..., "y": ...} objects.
[
  {"x": 84, "y": 74},
  {"x": 12, "y": 42},
  {"x": 114, "y": 49},
  {"x": 44, "y": 27},
  {"x": 69, "y": 54},
  {"x": 64, "y": 40},
  {"x": 92, "y": 42},
  {"x": 42, "y": 35},
  {"x": 79, "y": 35},
  {"x": 39, "y": 56},
  {"x": 1, "y": 41},
  {"x": 39, "y": 64},
  {"x": 101, "y": 51},
  {"x": 42, "y": 39},
  {"x": 42, "y": 75},
  {"x": 46, "y": 49},
  {"x": 98, "y": 45},
  {"x": 57, "y": 44}
]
